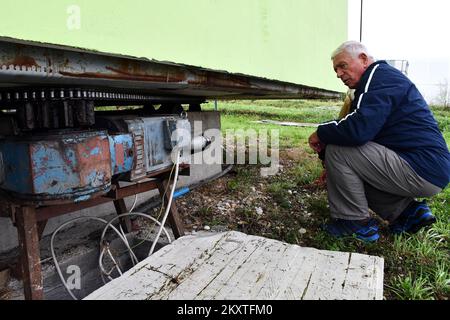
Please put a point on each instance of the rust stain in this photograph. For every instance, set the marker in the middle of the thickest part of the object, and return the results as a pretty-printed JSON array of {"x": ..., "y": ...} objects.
[
  {"x": 130, "y": 67},
  {"x": 207, "y": 81},
  {"x": 120, "y": 156},
  {"x": 26, "y": 61},
  {"x": 98, "y": 162},
  {"x": 117, "y": 76}
]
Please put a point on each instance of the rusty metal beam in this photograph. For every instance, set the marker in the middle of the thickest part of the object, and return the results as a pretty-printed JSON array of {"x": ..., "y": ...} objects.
[
  {"x": 34, "y": 63},
  {"x": 174, "y": 218},
  {"x": 27, "y": 229},
  {"x": 45, "y": 213},
  {"x": 121, "y": 208}
]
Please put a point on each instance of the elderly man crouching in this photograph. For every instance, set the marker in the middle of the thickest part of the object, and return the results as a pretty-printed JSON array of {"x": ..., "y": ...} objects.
[{"x": 387, "y": 151}]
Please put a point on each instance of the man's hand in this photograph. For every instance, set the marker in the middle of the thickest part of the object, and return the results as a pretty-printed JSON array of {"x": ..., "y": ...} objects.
[{"x": 315, "y": 143}]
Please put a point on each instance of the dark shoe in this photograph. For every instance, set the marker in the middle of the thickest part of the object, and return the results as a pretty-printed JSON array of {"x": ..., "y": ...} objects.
[
  {"x": 364, "y": 230},
  {"x": 416, "y": 216}
]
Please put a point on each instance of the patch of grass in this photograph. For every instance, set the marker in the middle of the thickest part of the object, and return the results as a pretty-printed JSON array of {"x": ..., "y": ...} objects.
[
  {"x": 441, "y": 115},
  {"x": 243, "y": 179},
  {"x": 408, "y": 288},
  {"x": 322, "y": 240},
  {"x": 288, "y": 136},
  {"x": 234, "y": 184},
  {"x": 204, "y": 212},
  {"x": 424, "y": 256},
  {"x": 425, "y": 246},
  {"x": 440, "y": 280},
  {"x": 280, "y": 110},
  {"x": 208, "y": 218},
  {"x": 244, "y": 115},
  {"x": 248, "y": 220},
  {"x": 279, "y": 192},
  {"x": 307, "y": 171},
  {"x": 318, "y": 204}
]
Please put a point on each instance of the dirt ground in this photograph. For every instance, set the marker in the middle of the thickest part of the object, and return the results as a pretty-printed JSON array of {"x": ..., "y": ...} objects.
[{"x": 277, "y": 207}]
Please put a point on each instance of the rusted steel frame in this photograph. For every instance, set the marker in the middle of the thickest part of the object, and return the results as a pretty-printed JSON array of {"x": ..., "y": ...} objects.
[
  {"x": 121, "y": 208},
  {"x": 26, "y": 62},
  {"x": 16, "y": 199},
  {"x": 45, "y": 213},
  {"x": 41, "y": 227},
  {"x": 29, "y": 253},
  {"x": 8, "y": 204},
  {"x": 174, "y": 218},
  {"x": 5, "y": 208}
]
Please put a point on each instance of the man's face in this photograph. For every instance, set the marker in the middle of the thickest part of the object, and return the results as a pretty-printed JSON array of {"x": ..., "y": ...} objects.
[{"x": 350, "y": 69}]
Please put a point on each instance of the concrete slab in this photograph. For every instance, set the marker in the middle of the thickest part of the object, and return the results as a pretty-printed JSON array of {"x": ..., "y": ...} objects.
[{"x": 236, "y": 266}]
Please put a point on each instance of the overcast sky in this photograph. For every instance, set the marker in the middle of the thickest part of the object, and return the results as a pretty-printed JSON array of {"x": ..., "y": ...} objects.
[{"x": 414, "y": 30}]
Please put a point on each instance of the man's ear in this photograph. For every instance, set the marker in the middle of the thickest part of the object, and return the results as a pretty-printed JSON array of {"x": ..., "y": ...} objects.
[{"x": 364, "y": 58}]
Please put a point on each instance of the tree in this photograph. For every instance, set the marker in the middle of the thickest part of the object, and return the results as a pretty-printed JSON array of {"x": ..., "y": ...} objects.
[{"x": 443, "y": 97}]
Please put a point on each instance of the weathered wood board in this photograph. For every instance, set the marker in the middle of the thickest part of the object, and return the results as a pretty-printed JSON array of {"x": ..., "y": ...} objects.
[{"x": 236, "y": 266}]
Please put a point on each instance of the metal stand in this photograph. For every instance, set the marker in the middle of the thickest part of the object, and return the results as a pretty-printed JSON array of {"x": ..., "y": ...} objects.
[{"x": 31, "y": 220}]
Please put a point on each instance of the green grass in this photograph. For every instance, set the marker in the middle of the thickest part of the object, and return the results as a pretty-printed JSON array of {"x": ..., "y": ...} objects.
[
  {"x": 313, "y": 111},
  {"x": 410, "y": 288},
  {"x": 416, "y": 266},
  {"x": 244, "y": 114},
  {"x": 279, "y": 193}
]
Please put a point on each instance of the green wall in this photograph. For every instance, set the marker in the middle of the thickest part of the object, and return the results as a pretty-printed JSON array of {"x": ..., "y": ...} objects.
[{"x": 289, "y": 40}]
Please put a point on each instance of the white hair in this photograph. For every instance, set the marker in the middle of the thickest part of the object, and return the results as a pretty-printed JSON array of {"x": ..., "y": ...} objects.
[{"x": 354, "y": 48}]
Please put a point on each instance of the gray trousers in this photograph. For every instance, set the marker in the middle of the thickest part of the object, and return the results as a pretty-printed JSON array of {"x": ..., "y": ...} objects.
[{"x": 371, "y": 176}]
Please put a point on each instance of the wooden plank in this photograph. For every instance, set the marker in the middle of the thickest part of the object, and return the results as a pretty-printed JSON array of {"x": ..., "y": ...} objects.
[
  {"x": 236, "y": 266},
  {"x": 364, "y": 276},
  {"x": 213, "y": 274},
  {"x": 158, "y": 272},
  {"x": 278, "y": 277},
  {"x": 300, "y": 277},
  {"x": 328, "y": 278},
  {"x": 249, "y": 273}
]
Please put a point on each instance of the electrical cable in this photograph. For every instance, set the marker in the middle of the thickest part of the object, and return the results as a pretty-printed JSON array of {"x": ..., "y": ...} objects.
[
  {"x": 169, "y": 203},
  {"x": 109, "y": 224},
  {"x": 158, "y": 216},
  {"x": 134, "y": 203},
  {"x": 176, "y": 166},
  {"x": 52, "y": 249}
]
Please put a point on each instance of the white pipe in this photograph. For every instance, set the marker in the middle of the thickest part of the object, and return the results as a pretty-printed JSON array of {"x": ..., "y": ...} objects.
[{"x": 169, "y": 203}]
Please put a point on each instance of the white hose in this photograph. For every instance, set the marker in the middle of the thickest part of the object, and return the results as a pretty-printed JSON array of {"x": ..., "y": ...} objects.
[
  {"x": 169, "y": 203},
  {"x": 123, "y": 233},
  {"x": 134, "y": 203},
  {"x": 109, "y": 224},
  {"x": 52, "y": 249}
]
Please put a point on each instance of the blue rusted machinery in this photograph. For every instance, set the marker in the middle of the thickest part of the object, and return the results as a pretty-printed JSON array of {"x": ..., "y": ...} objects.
[
  {"x": 60, "y": 152},
  {"x": 55, "y": 167}
]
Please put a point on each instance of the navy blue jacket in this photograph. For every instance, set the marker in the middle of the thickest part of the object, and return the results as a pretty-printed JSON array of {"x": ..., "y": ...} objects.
[{"x": 389, "y": 110}]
